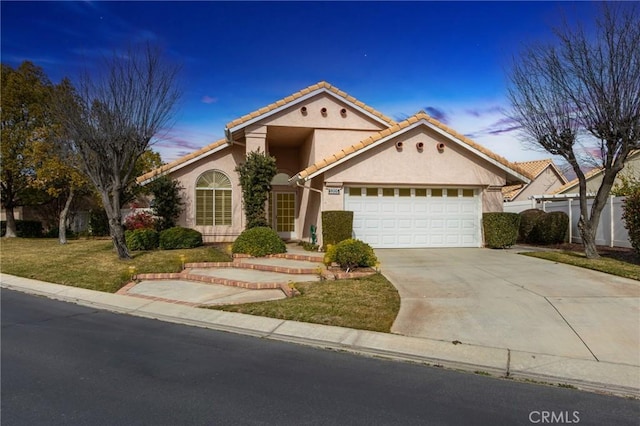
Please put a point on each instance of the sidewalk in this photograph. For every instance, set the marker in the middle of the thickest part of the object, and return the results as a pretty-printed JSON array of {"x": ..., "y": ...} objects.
[{"x": 615, "y": 378}]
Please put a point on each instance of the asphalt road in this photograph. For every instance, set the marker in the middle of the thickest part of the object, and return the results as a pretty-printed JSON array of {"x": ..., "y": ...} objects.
[{"x": 72, "y": 365}]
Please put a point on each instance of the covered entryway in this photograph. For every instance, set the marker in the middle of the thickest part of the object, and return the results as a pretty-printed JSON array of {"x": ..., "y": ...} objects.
[{"x": 415, "y": 217}]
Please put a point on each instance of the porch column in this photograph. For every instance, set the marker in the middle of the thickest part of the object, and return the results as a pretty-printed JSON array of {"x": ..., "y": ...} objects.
[{"x": 256, "y": 139}]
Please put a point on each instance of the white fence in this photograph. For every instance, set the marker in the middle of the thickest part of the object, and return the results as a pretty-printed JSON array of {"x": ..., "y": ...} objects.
[{"x": 611, "y": 231}]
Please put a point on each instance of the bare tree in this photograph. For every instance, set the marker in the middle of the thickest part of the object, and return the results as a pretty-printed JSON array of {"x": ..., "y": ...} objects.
[
  {"x": 584, "y": 91},
  {"x": 116, "y": 115}
]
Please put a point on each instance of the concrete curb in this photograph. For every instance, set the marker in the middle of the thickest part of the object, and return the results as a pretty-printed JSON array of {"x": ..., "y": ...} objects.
[{"x": 616, "y": 379}]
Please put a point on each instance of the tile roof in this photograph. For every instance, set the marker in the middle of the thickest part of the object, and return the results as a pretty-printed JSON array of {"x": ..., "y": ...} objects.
[
  {"x": 314, "y": 87},
  {"x": 396, "y": 128},
  {"x": 534, "y": 169},
  {"x": 592, "y": 173},
  {"x": 172, "y": 165}
]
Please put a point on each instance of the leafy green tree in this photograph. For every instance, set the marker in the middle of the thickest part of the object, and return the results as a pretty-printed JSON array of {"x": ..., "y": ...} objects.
[
  {"x": 26, "y": 117},
  {"x": 256, "y": 174},
  {"x": 167, "y": 202}
]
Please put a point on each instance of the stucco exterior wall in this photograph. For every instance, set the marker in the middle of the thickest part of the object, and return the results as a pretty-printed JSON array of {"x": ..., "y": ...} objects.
[
  {"x": 546, "y": 183},
  {"x": 455, "y": 166},
  {"x": 224, "y": 161},
  {"x": 314, "y": 118}
]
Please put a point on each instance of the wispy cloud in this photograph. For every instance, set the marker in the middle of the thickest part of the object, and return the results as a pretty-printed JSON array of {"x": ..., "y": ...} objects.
[
  {"x": 437, "y": 113},
  {"x": 206, "y": 99}
]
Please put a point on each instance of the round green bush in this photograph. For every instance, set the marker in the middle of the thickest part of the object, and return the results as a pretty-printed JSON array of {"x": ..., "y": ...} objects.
[
  {"x": 352, "y": 253},
  {"x": 142, "y": 239},
  {"x": 180, "y": 238},
  {"x": 551, "y": 228},
  {"x": 259, "y": 241},
  {"x": 500, "y": 229},
  {"x": 528, "y": 220}
]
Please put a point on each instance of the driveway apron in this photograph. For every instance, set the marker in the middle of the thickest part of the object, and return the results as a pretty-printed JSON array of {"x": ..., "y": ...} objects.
[{"x": 501, "y": 299}]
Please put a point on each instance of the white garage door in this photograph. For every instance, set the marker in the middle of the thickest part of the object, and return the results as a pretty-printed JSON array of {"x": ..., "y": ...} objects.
[{"x": 415, "y": 217}]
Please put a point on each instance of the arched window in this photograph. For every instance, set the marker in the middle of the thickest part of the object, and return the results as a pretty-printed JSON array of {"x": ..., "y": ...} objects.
[{"x": 213, "y": 199}]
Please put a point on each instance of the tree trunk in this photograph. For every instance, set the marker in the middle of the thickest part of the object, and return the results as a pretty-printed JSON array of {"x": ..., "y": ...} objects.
[
  {"x": 62, "y": 223},
  {"x": 11, "y": 231},
  {"x": 112, "y": 208},
  {"x": 588, "y": 235}
]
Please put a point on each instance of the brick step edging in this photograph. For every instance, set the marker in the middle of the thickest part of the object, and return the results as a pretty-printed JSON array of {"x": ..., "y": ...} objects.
[
  {"x": 257, "y": 267},
  {"x": 185, "y": 276}
]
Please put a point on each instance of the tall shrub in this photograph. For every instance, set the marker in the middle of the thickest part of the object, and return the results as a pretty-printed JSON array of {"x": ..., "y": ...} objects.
[
  {"x": 528, "y": 220},
  {"x": 631, "y": 217},
  {"x": 500, "y": 229},
  {"x": 167, "y": 202},
  {"x": 337, "y": 225},
  {"x": 551, "y": 228},
  {"x": 256, "y": 174}
]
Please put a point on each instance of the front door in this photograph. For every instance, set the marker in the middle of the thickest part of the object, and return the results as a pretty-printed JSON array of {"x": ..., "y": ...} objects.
[{"x": 284, "y": 214}]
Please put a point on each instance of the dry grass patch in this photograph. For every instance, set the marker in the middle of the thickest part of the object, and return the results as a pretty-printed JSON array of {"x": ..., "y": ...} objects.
[
  {"x": 614, "y": 265},
  {"x": 91, "y": 264},
  {"x": 369, "y": 303}
]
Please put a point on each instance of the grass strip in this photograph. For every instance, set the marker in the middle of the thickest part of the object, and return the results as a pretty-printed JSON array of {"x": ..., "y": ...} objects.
[
  {"x": 369, "y": 303},
  {"x": 603, "y": 264}
]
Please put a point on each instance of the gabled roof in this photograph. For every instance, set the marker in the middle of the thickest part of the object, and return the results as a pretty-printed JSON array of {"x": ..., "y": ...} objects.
[
  {"x": 301, "y": 96},
  {"x": 534, "y": 169},
  {"x": 591, "y": 174},
  {"x": 183, "y": 161},
  {"x": 401, "y": 127}
]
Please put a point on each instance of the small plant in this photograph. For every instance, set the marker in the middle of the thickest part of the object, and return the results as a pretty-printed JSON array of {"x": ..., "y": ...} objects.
[
  {"x": 351, "y": 254},
  {"x": 180, "y": 238},
  {"x": 500, "y": 229},
  {"x": 329, "y": 255},
  {"x": 259, "y": 241},
  {"x": 139, "y": 220},
  {"x": 142, "y": 239}
]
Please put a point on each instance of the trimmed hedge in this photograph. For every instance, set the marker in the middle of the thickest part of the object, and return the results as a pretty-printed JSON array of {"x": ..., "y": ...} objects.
[
  {"x": 528, "y": 220},
  {"x": 351, "y": 254},
  {"x": 500, "y": 229},
  {"x": 337, "y": 225},
  {"x": 24, "y": 228},
  {"x": 259, "y": 241},
  {"x": 550, "y": 228},
  {"x": 180, "y": 238},
  {"x": 142, "y": 239},
  {"x": 631, "y": 217}
]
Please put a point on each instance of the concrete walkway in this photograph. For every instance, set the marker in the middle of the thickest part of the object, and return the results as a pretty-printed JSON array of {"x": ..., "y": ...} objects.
[{"x": 476, "y": 310}]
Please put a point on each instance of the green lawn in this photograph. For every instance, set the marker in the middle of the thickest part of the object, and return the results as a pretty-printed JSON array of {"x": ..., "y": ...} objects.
[
  {"x": 610, "y": 265},
  {"x": 91, "y": 264},
  {"x": 370, "y": 303}
]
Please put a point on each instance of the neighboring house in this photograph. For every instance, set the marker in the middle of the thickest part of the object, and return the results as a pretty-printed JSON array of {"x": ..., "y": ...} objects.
[
  {"x": 594, "y": 177},
  {"x": 413, "y": 183},
  {"x": 545, "y": 179}
]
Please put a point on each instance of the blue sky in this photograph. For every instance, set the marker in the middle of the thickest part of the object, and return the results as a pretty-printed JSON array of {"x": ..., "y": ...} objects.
[{"x": 447, "y": 58}]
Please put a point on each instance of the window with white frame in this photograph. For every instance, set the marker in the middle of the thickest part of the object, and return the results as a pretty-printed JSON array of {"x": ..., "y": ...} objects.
[{"x": 213, "y": 199}]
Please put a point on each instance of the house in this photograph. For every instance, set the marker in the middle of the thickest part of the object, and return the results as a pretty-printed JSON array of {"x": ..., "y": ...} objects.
[
  {"x": 594, "y": 177},
  {"x": 545, "y": 179},
  {"x": 412, "y": 183}
]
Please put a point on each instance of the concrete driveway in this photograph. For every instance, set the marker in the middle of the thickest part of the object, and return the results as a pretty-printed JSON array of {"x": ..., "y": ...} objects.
[{"x": 500, "y": 299}]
